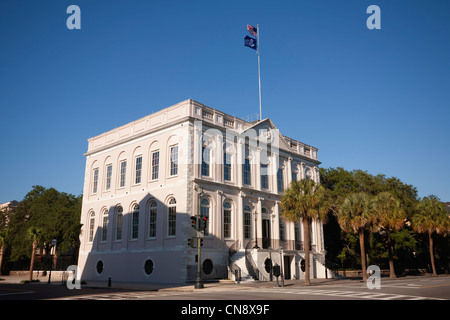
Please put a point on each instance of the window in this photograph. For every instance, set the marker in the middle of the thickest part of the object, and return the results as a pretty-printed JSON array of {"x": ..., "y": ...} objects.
[
  {"x": 105, "y": 225},
  {"x": 123, "y": 171},
  {"x": 172, "y": 218},
  {"x": 173, "y": 160},
  {"x": 108, "y": 176},
  {"x": 297, "y": 236},
  {"x": 280, "y": 180},
  {"x": 204, "y": 211},
  {"x": 99, "y": 267},
  {"x": 247, "y": 222},
  {"x": 206, "y": 158},
  {"x": 155, "y": 165},
  {"x": 247, "y": 171},
  {"x": 91, "y": 226},
  {"x": 208, "y": 266},
  {"x": 148, "y": 267},
  {"x": 226, "y": 166},
  {"x": 294, "y": 175},
  {"x": 227, "y": 220},
  {"x": 119, "y": 222},
  {"x": 152, "y": 219},
  {"x": 137, "y": 179},
  {"x": 135, "y": 222},
  {"x": 264, "y": 176},
  {"x": 95, "y": 181},
  {"x": 282, "y": 229}
]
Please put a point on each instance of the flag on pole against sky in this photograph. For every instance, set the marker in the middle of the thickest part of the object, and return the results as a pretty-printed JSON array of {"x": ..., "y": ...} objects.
[
  {"x": 250, "y": 42},
  {"x": 253, "y": 31}
]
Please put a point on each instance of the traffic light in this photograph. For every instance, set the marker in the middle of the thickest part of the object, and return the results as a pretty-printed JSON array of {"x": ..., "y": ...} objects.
[
  {"x": 194, "y": 222},
  {"x": 203, "y": 223},
  {"x": 191, "y": 242},
  {"x": 201, "y": 242}
]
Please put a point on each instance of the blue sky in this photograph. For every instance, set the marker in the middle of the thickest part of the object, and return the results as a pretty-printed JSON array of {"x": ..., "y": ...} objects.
[{"x": 375, "y": 100}]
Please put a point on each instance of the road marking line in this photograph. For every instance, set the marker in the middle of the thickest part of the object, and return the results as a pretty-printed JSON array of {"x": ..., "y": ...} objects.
[
  {"x": 11, "y": 293},
  {"x": 436, "y": 285}
]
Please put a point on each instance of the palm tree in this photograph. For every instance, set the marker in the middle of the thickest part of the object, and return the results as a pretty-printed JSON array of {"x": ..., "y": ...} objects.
[
  {"x": 431, "y": 216},
  {"x": 307, "y": 201},
  {"x": 391, "y": 216},
  {"x": 3, "y": 235},
  {"x": 356, "y": 214},
  {"x": 34, "y": 233}
]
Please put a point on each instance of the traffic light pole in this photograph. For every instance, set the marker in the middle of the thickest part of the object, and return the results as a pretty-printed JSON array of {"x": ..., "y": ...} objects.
[{"x": 198, "y": 281}]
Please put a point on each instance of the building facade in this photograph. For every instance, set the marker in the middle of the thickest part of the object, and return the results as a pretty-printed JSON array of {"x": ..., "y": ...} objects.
[{"x": 144, "y": 181}]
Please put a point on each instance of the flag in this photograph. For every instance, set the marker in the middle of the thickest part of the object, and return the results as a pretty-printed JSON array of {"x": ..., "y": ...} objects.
[
  {"x": 250, "y": 42},
  {"x": 253, "y": 31}
]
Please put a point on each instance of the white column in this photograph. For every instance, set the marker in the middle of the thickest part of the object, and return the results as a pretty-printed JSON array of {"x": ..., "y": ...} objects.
[
  {"x": 258, "y": 169},
  {"x": 302, "y": 171},
  {"x": 239, "y": 161},
  {"x": 289, "y": 172},
  {"x": 259, "y": 222},
  {"x": 316, "y": 174},
  {"x": 240, "y": 219},
  {"x": 218, "y": 217},
  {"x": 217, "y": 155},
  {"x": 197, "y": 153},
  {"x": 276, "y": 224},
  {"x": 274, "y": 164}
]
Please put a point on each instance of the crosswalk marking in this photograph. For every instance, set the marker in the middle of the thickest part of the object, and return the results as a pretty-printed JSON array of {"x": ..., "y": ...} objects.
[
  {"x": 124, "y": 296},
  {"x": 352, "y": 294}
]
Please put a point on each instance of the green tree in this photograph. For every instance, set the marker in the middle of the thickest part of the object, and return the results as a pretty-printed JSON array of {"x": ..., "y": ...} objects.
[
  {"x": 56, "y": 214},
  {"x": 431, "y": 217},
  {"x": 34, "y": 234},
  {"x": 307, "y": 201},
  {"x": 390, "y": 216},
  {"x": 356, "y": 213}
]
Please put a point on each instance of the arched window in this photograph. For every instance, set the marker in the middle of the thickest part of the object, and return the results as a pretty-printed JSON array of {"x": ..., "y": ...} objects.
[
  {"x": 247, "y": 222},
  {"x": 91, "y": 226},
  {"x": 135, "y": 222},
  {"x": 172, "y": 218},
  {"x": 105, "y": 225},
  {"x": 119, "y": 222},
  {"x": 204, "y": 211},
  {"x": 152, "y": 219},
  {"x": 227, "y": 219}
]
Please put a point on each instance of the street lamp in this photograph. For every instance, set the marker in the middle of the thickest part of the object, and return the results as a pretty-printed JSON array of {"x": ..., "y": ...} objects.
[
  {"x": 198, "y": 281},
  {"x": 280, "y": 248},
  {"x": 256, "y": 231},
  {"x": 52, "y": 252}
]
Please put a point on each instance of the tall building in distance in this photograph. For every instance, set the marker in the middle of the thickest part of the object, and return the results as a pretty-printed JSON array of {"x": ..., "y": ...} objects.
[{"x": 144, "y": 181}]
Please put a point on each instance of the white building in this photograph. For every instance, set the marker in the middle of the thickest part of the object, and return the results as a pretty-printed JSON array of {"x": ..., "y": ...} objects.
[{"x": 144, "y": 181}]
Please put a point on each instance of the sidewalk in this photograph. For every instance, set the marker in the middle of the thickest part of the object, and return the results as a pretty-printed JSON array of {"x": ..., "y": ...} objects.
[
  {"x": 225, "y": 284},
  {"x": 153, "y": 286}
]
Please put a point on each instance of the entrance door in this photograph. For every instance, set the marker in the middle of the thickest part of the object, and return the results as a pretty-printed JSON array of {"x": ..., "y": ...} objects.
[
  {"x": 287, "y": 267},
  {"x": 266, "y": 233}
]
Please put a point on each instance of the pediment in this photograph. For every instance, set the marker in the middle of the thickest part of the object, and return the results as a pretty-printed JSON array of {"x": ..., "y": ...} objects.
[{"x": 267, "y": 132}]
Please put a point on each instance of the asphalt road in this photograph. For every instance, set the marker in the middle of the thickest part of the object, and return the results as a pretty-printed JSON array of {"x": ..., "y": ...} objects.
[
  {"x": 402, "y": 297},
  {"x": 402, "y": 288}
]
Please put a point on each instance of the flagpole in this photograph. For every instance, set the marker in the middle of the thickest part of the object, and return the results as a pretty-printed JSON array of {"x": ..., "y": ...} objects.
[{"x": 259, "y": 71}]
